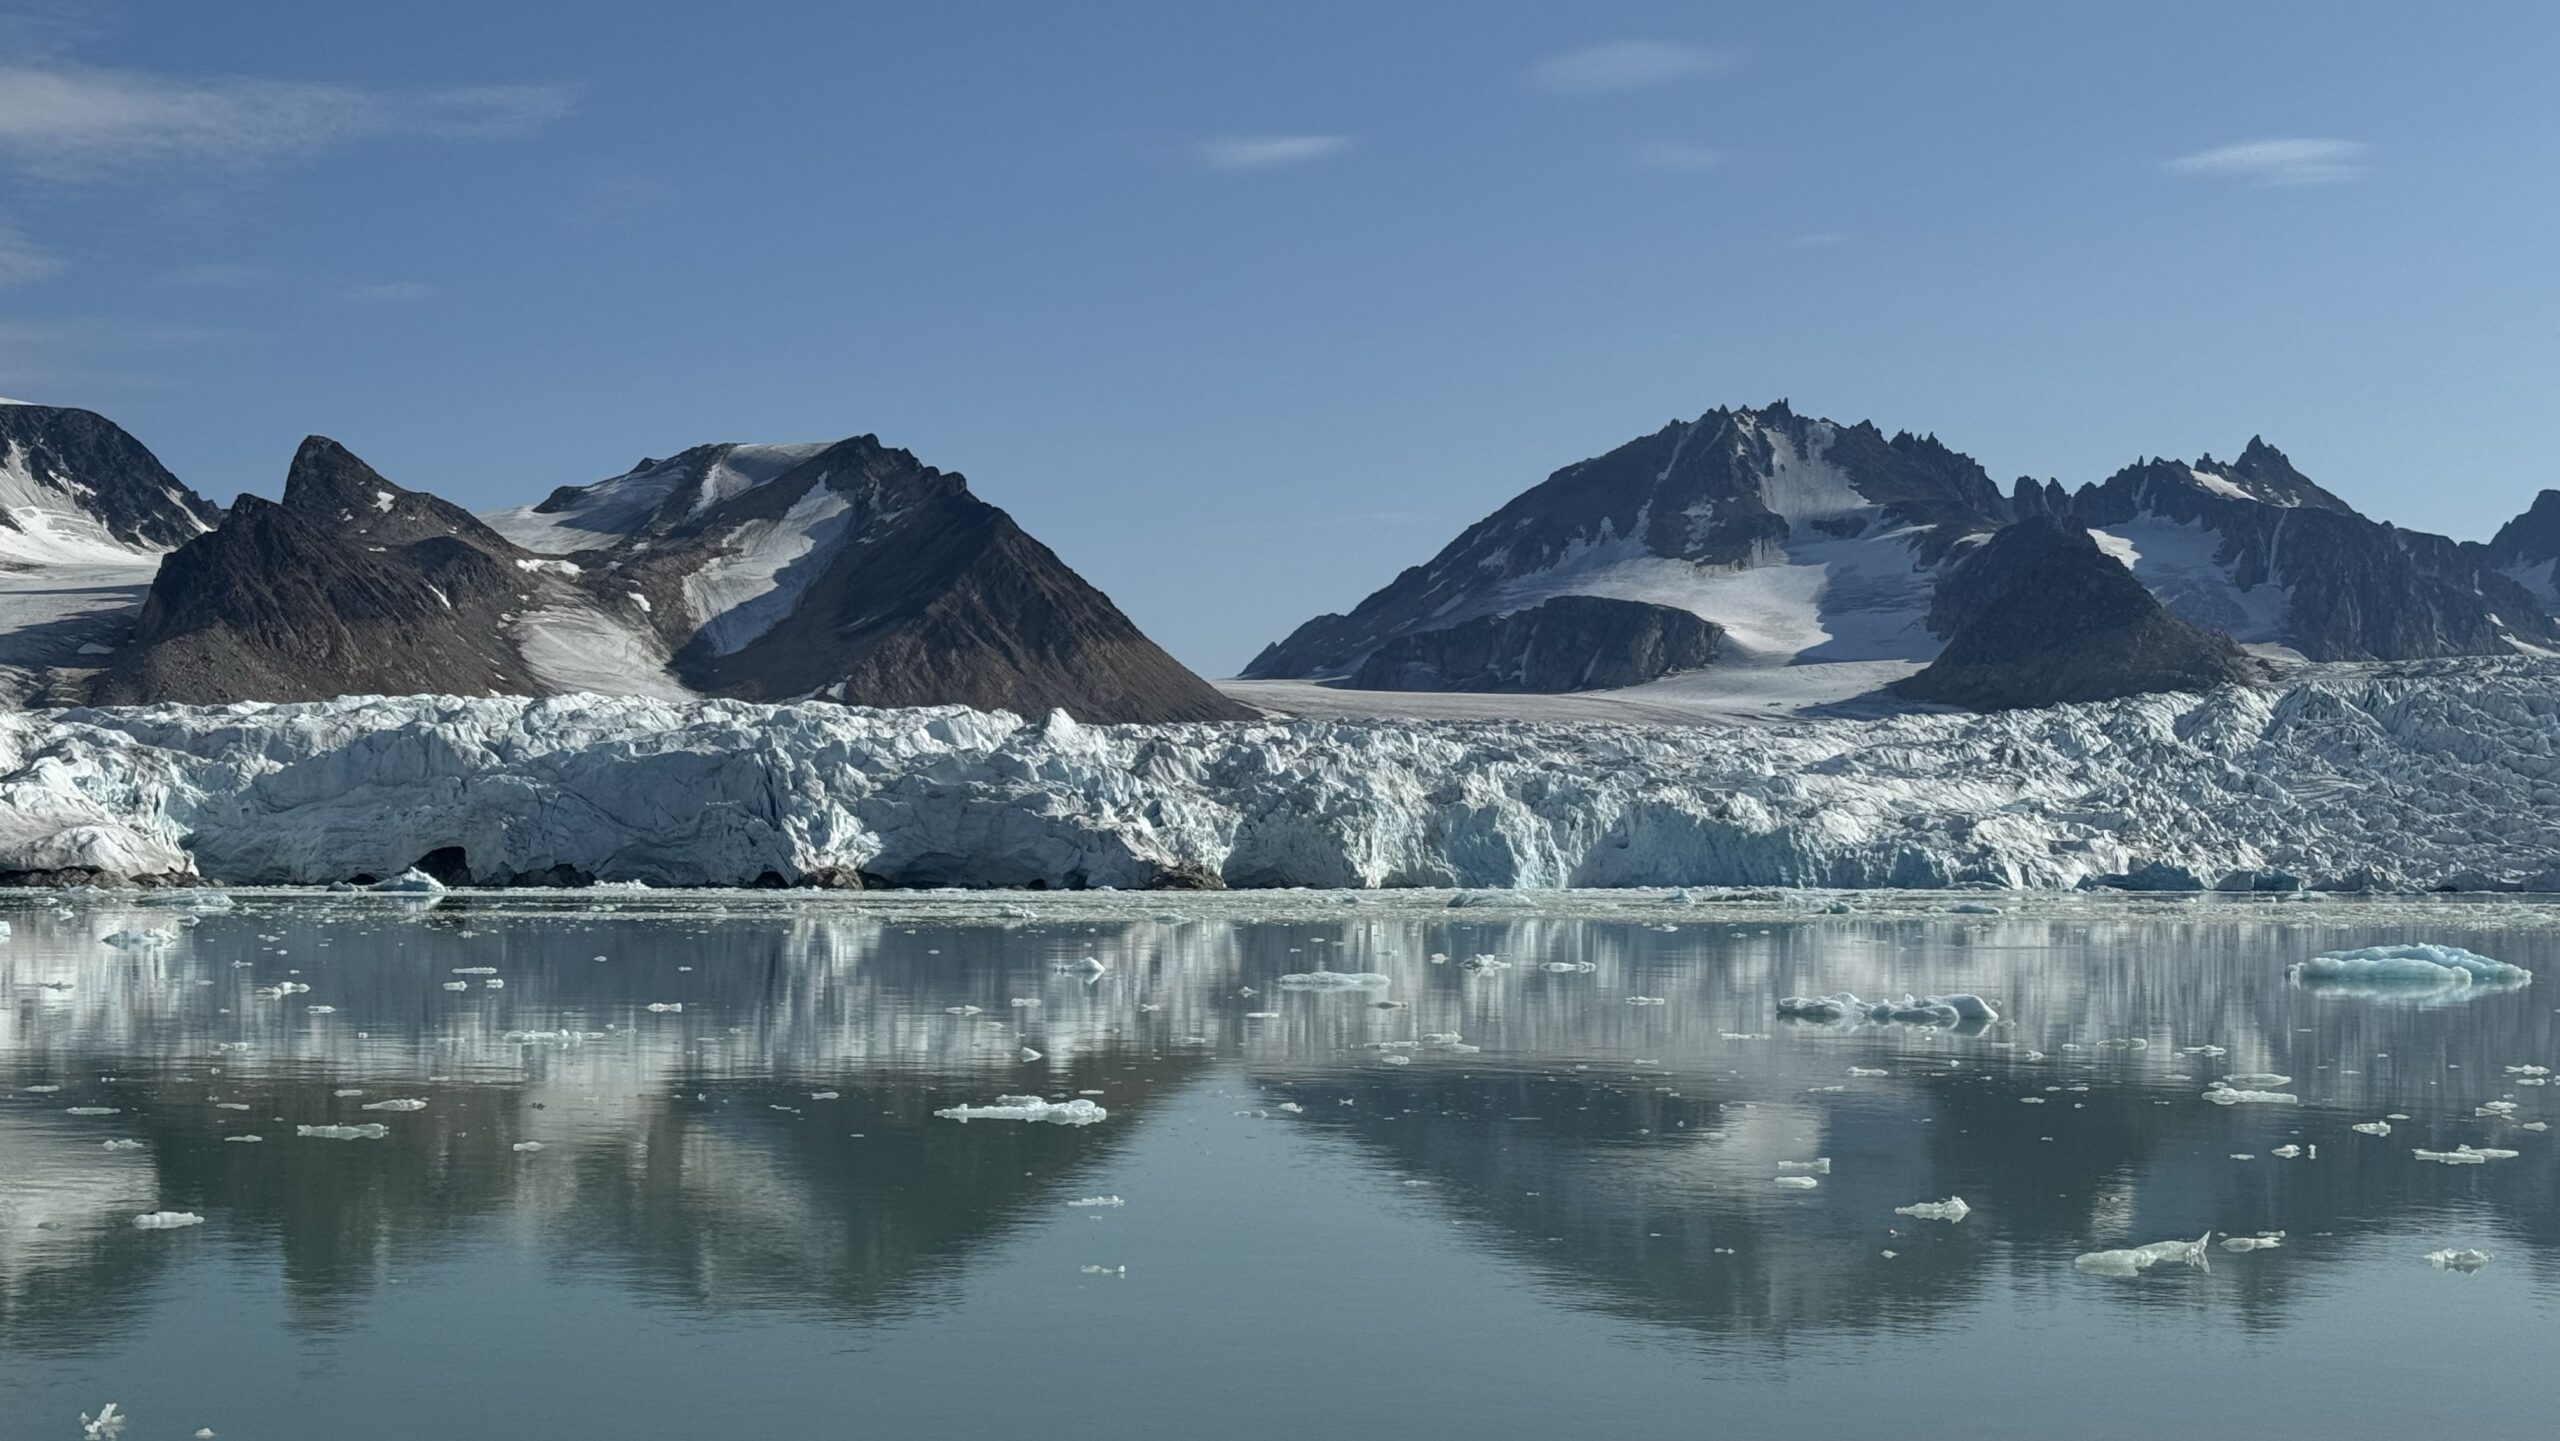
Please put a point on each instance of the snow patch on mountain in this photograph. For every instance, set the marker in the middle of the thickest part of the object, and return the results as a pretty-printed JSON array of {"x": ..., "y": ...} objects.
[
  {"x": 2441, "y": 774},
  {"x": 767, "y": 567},
  {"x": 620, "y": 506},
  {"x": 2180, "y": 562}
]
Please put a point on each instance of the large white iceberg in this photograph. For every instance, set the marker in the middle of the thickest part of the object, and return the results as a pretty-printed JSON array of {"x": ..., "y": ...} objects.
[
  {"x": 2422, "y": 971},
  {"x": 2377, "y": 782}
]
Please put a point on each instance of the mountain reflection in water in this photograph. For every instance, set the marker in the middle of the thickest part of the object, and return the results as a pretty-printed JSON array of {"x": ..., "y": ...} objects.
[{"x": 767, "y": 1156}]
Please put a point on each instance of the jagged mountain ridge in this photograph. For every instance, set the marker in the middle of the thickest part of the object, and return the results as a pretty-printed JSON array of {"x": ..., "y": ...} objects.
[
  {"x": 848, "y": 572},
  {"x": 74, "y": 485},
  {"x": 1701, "y": 515},
  {"x": 1810, "y": 541}
]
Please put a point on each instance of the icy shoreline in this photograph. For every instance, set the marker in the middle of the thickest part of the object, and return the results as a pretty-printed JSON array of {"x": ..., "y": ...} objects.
[{"x": 2448, "y": 777}]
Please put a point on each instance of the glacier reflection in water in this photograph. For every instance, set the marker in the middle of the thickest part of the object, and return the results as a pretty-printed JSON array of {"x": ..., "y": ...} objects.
[{"x": 678, "y": 1173}]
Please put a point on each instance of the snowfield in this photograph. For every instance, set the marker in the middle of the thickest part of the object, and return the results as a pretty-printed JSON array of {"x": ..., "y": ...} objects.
[{"x": 2446, "y": 774}]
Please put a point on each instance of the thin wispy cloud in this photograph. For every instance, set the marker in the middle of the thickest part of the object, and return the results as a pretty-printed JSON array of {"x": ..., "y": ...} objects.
[
  {"x": 22, "y": 261},
  {"x": 391, "y": 292},
  {"x": 1678, "y": 156},
  {"x": 1625, "y": 65},
  {"x": 2277, "y": 162},
  {"x": 75, "y": 121},
  {"x": 219, "y": 275},
  {"x": 1266, "y": 152}
]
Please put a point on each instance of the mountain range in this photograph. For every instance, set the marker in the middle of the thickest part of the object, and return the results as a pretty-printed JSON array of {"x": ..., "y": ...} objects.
[
  {"x": 850, "y": 571},
  {"x": 846, "y": 572},
  {"x": 1803, "y": 541}
]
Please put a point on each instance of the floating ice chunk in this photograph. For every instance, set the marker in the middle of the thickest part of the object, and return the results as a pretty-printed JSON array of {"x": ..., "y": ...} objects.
[
  {"x": 475, "y": 970},
  {"x": 1961, "y": 1009},
  {"x": 2222, "y": 1095},
  {"x": 2453, "y": 1260},
  {"x": 321, "y": 1010},
  {"x": 1951, "y": 1209},
  {"x": 1027, "y": 1055},
  {"x": 549, "y": 1038},
  {"x": 1092, "y": 1201},
  {"x": 105, "y": 1426},
  {"x": 824, "y": 1095},
  {"x": 280, "y": 990},
  {"x": 1869, "y": 1071},
  {"x": 2465, "y": 1155},
  {"x": 2257, "y": 1080},
  {"x": 664, "y": 1008},
  {"x": 132, "y": 940},
  {"x": 1973, "y": 908},
  {"x": 245, "y": 1140},
  {"x": 404, "y": 1103},
  {"x": 2495, "y": 1108},
  {"x": 2133, "y": 1261},
  {"x": 2286, "y": 1152},
  {"x": 2411, "y": 972},
  {"x": 2372, "y": 1128},
  {"x": 411, "y": 882},
  {"x": 495, "y": 983},
  {"x": 1818, "y": 1166},
  {"x": 1121, "y": 1271},
  {"x": 370, "y": 1131},
  {"x": 1321, "y": 980},
  {"x": 1566, "y": 968},
  {"x": 1798, "y": 1183},
  {"x": 457, "y": 985},
  {"x": 122, "y": 1144},
  {"x": 1648, "y": 1000},
  {"x": 2263, "y": 1241},
  {"x": 964, "y": 1010},
  {"x": 526, "y": 1146},
  {"x": 92, "y": 1110},
  {"x": 1078, "y": 1112},
  {"x": 167, "y": 1220}
]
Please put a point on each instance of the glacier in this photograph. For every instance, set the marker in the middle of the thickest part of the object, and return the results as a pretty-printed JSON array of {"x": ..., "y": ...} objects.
[{"x": 2427, "y": 776}]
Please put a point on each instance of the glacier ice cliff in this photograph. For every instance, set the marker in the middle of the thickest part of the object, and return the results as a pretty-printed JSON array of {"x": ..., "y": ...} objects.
[{"x": 2440, "y": 776}]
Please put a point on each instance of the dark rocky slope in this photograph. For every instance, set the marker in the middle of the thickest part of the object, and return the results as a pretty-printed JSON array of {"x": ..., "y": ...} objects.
[
  {"x": 2039, "y": 615},
  {"x": 1570, "y": 643},
  {"x": 348, "y": 586}
]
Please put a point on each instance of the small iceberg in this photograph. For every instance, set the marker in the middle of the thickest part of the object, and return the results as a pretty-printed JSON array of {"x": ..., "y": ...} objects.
[
  {"x": 1077, "y": 1112},
  {"x": 2135, "y": 1260},
  {"x": 2453, "y": 1260},
  {"x": 167, "y": 1220},
  {"x": 1334, "y": 981},
  {"x": 133, "y": 940},
  {"x": 1960, "y": 1009},
  {"x": 2421, "y": 972},
  {"x": 1951, "y": 1209},
  {"x": 371, "y": 1131},
  {"x": 404, "y": 1103},
  {"x": 2223, "y": 1093},
  {"x": 411, "y": 882}
]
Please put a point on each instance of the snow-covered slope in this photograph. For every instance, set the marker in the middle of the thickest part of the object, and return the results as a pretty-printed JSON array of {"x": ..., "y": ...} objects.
[
  {"x": 85, "y": 514},
  {"x": 2254, "y": 548},
  {"x": 2448, "y": 774},
  {"x": 1804, "y": 539}
]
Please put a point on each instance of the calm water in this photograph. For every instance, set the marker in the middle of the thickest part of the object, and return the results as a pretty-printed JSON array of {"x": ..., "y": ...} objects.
[{"x": 745, "y": 1220}]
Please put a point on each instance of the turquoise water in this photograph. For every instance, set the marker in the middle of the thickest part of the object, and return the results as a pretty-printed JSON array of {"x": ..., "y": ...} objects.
[{"x": 1576, "y": 1229}]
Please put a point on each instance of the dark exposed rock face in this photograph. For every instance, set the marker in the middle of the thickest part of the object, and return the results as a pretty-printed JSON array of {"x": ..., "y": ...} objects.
[
  {"x": 1732, "y": 488},
  {"x": 95, "y": 468},
  {"x": 2039, "y": 615},
  {"x": 892, "y": 586},
  {"x": 2292, "y": 564},
  {"x": 349, "y": 586},
  {"x": 912, "y": 592},
  {"x": 1573, "y": 642},
  {"x": 2526, "y": 550}
]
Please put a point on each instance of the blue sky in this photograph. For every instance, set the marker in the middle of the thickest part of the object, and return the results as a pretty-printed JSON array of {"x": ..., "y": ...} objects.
[{"x": 1243, "y": 310}]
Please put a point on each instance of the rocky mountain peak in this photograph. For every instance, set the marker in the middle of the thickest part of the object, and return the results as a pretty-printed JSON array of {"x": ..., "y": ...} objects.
[{"x": 71, "y": 479}]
